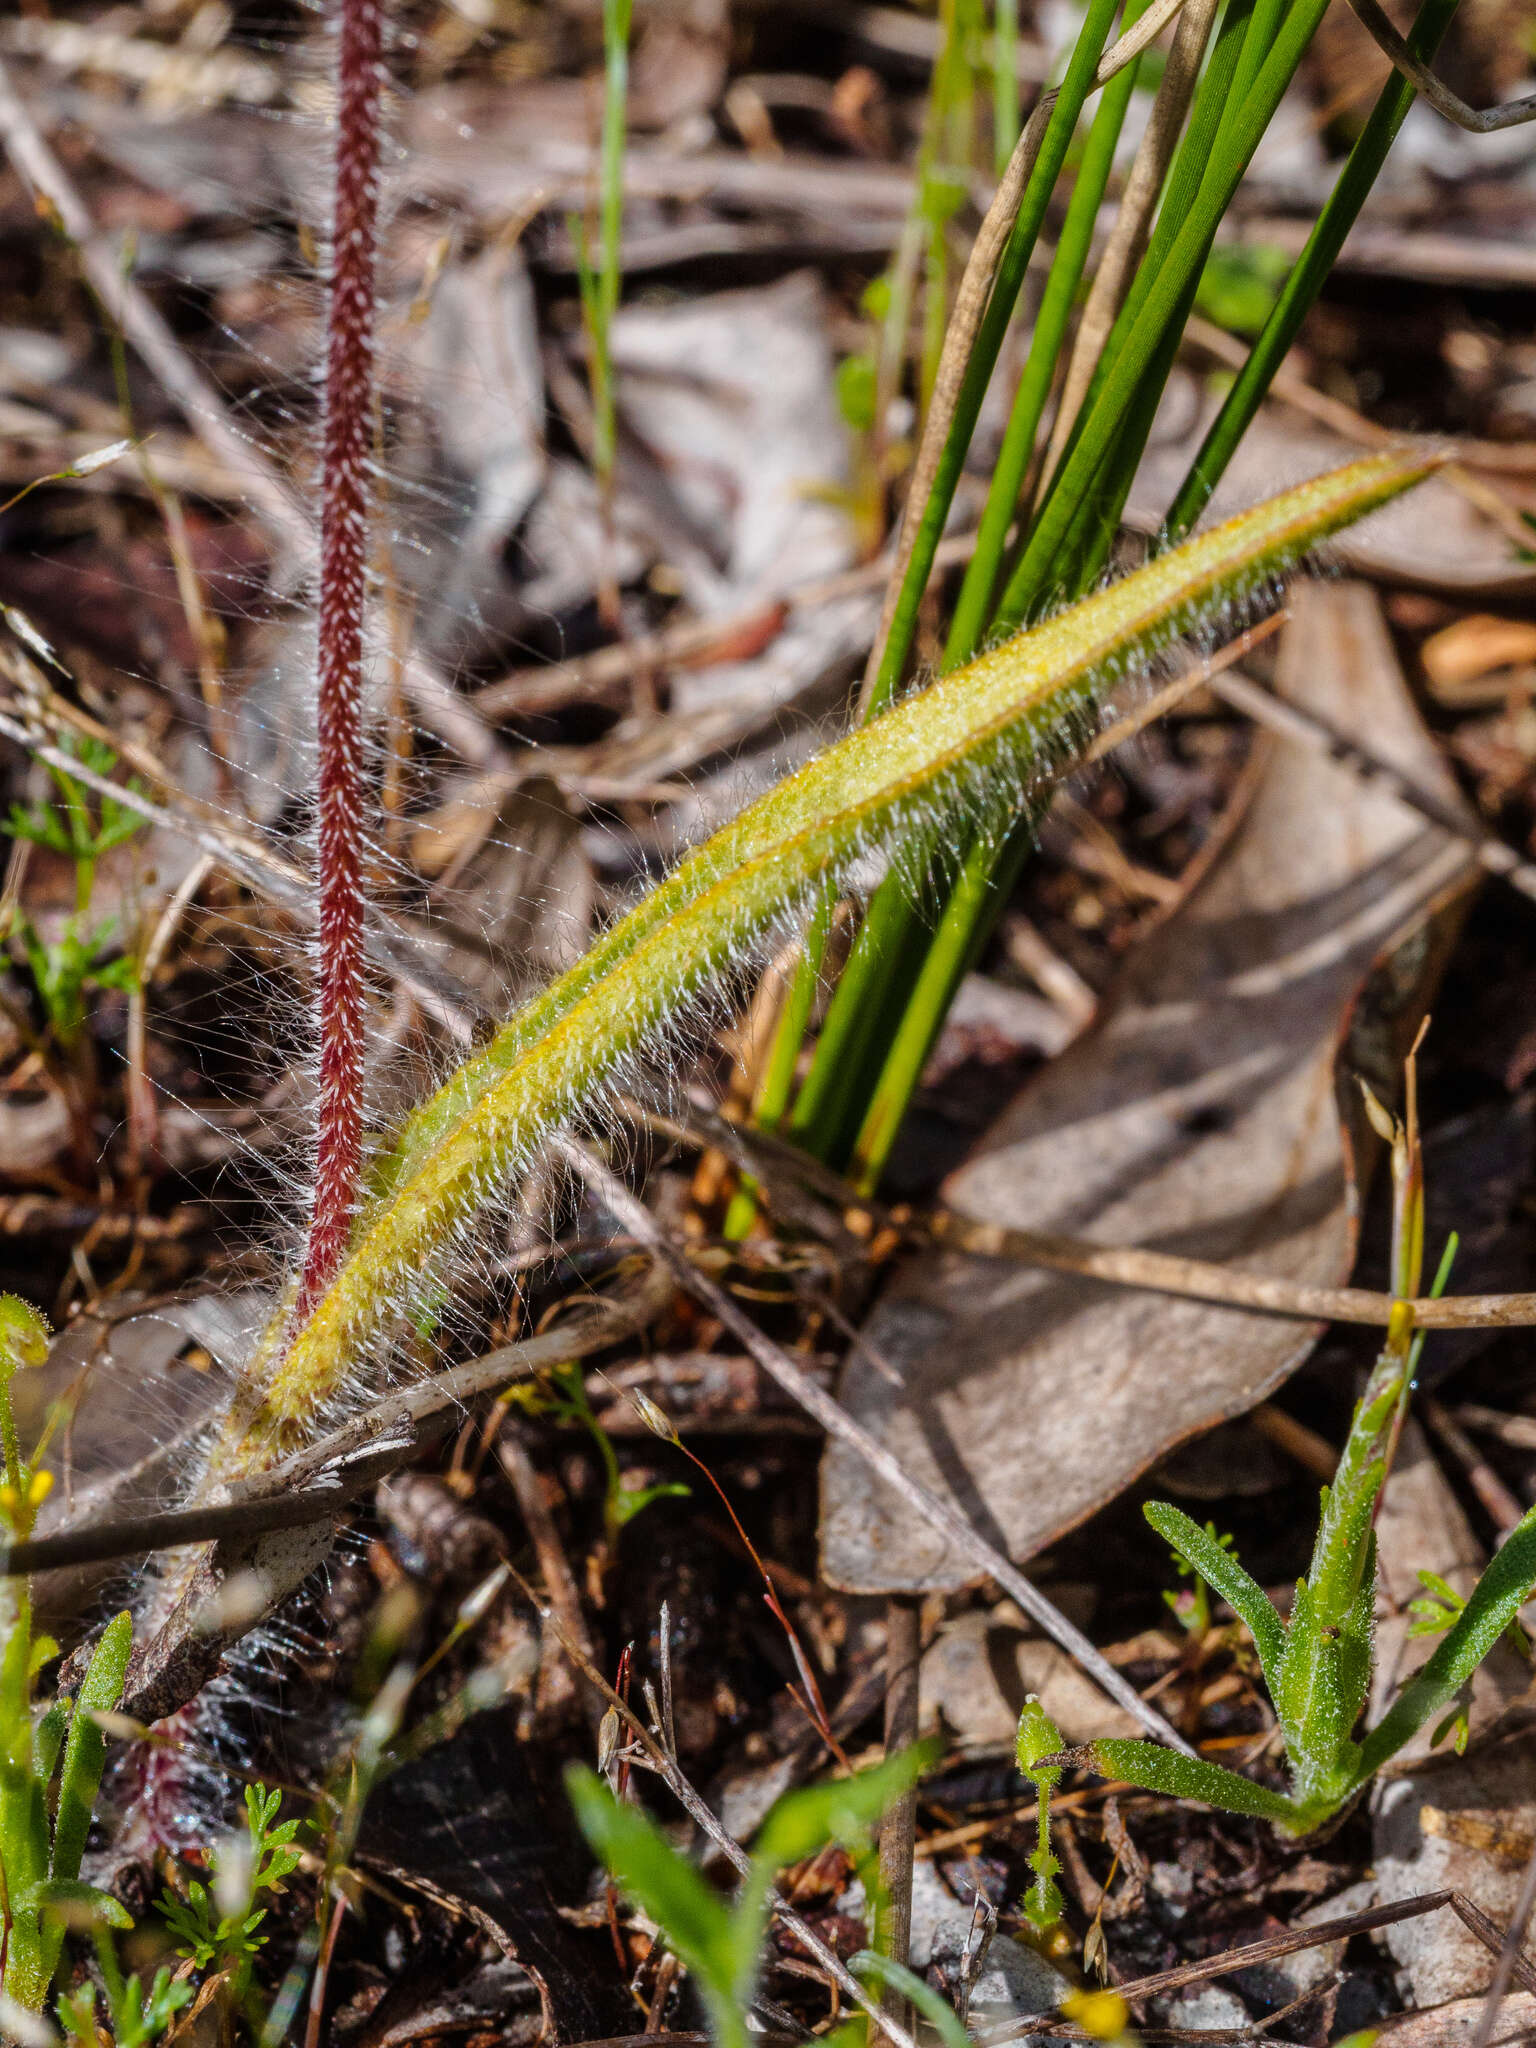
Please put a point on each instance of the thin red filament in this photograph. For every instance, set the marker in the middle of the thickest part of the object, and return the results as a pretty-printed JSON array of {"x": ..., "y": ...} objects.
[{"x": 340, "y": 793}]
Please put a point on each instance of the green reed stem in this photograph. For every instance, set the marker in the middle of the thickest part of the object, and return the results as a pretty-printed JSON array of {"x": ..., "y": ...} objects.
[
  {"x": 1006, "y": 286},
  {"x": 972, "y": 606},
  {"x": 1166, "y": 288},
  {"x": 1005, "y": 82}
]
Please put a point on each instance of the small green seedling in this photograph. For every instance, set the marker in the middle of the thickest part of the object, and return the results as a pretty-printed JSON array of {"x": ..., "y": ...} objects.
[
  {"x": 562, "y": 1394},
  {"x": 1191, "y": 1608},
  {"x": 721, "y": 1943},
  {"x": 215, "y": 1926},
  {"x": 1317, "y": 1664},
  {"x": 1040, "y": 1737},
  {"x": 50, "y": 1764},
  {"x": 82, "y": 827}
]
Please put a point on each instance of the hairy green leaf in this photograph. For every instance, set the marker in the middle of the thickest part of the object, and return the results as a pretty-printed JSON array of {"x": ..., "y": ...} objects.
[
  {"x": 1156, "y": 1769},
  {"x": 1493, "y": 1603},
  {"x": 967, "y": 751}
]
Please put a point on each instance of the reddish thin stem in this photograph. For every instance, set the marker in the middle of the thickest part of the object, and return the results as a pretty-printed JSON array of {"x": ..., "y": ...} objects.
[{"x": 343, "y": 565}]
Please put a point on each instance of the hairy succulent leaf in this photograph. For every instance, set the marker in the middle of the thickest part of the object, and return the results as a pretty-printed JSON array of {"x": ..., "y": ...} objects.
[{"x": 969, "y": 748}]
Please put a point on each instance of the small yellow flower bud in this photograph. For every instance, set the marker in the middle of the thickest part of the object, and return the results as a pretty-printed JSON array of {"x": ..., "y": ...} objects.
[
  {"x": 1103, "y": 2014},
  {"x": 39, "y": 1487}
]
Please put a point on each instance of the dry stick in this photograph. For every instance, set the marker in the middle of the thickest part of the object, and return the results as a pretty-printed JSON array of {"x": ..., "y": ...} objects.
[
  {"x": 1226, "y": 1286},
  {"x": 1511, "y": 114},
  {"x": 836, "y": 1421},
  {"x": 1319, "y": 733},
  {"x": 971, "y": 298},
  {"x": 1498, "y": 1503},
  {"x": 1133, "y": 220},
  {"x": 898, "y": 1832},
  {"x": 144, "y": 329},
  {"x": 1256, "y": 1953},
  {"x": 666, "y": 1767},
  {"x": 715, "y": 637},
  {"x": 547, "y": 1547},
  {"x": 777, "y": 1163},
  {"x": 340, "y": 792},
  {"x": 1509, "y": 1955}
]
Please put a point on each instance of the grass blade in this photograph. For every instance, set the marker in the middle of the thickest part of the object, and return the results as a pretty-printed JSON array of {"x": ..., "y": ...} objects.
[{"x": 1306, "y": 279}]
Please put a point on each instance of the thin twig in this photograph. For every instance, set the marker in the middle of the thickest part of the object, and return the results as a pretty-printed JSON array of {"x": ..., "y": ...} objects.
[
  {"x": 836, "y": 1421},
  {"x": 1510, "y": 114},
  {"x": 315, "y": 1483},
  {"x": 1500, "y": 1505},
  {"x": 776, "y": 1164},
  {"x": 1226, "y": 1286},
  {"x": 1322, "y": 736},
  {"x": 540, "y": 1524},
  {"x": 1255, "y": 1953},
  {"x": 1197, "y": 675},
  {"x": 1496, "y": 1940},
  {"x": 898, "y": 1831},
  {"x": 1509, "y": 1955}
]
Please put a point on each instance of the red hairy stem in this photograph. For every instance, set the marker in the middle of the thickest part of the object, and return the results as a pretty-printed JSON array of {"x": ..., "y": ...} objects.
[{"x": 343, "y": 565}]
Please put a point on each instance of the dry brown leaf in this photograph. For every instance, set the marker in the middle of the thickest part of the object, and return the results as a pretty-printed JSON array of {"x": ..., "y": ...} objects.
[{"x": 1200, "y": 1116}]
